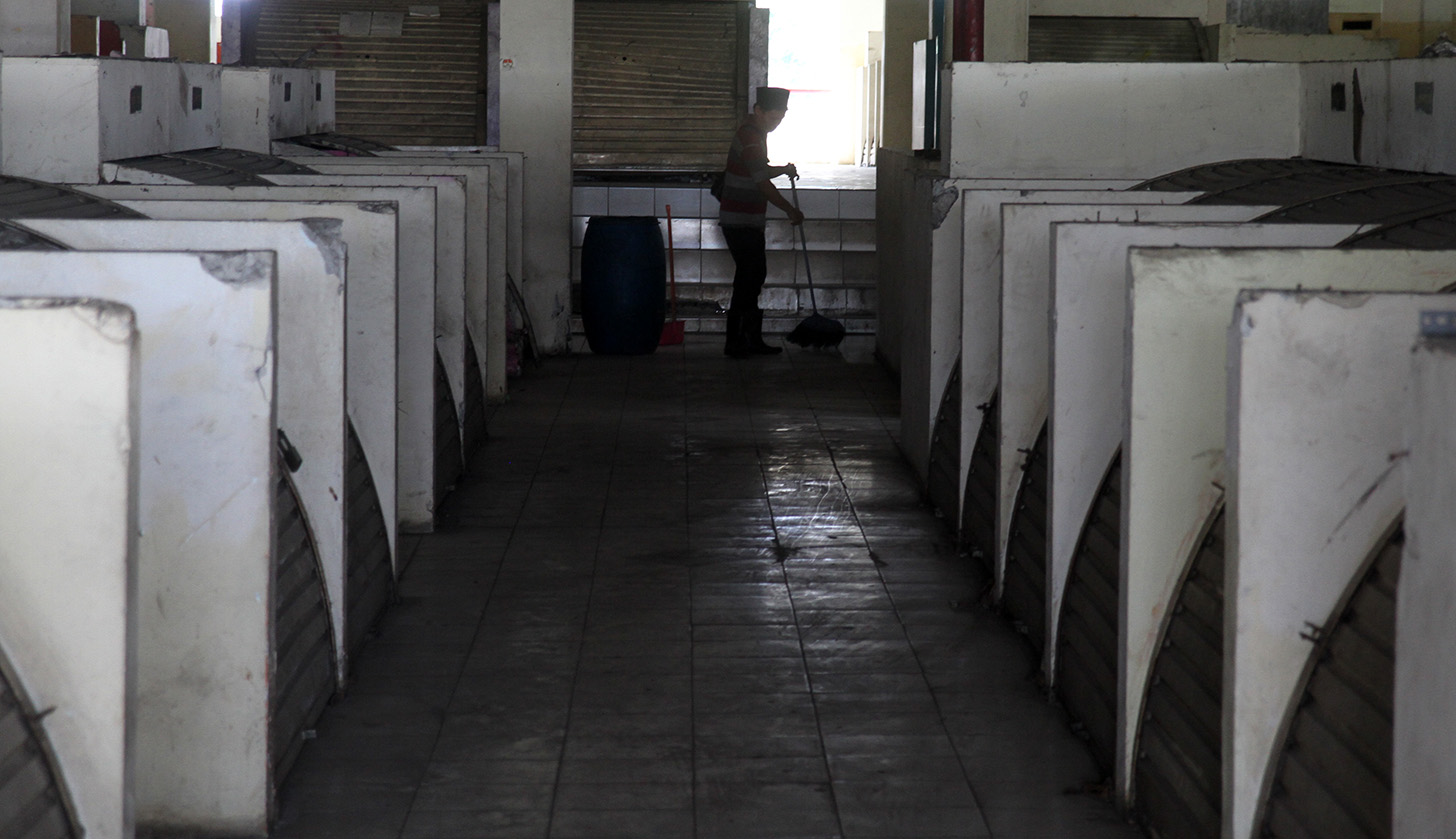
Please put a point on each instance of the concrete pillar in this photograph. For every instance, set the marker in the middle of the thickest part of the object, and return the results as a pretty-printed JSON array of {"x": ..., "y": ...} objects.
[
  {"x": 906, "y": 22},
  {"x": 535, "y": 117}
]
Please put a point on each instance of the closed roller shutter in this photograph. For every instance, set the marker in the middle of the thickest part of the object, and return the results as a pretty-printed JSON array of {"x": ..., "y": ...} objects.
[
  {"x": 657, "y": 84},
  {"x": 1333, "y": 778},
  {"x": 32, "y": 804},
  {"x": 943, "y": 483},
  {"x": 1024, "y": 593},
  {"x": 1115, "y": 39},
  {"x": 978, "y": 516},
  {"x": 424, "y": 86},
  {"x": 1086, "y": 677},
  {"x": 369, "y": 579},
  {"x": 1179, "y": 770},
  {"x": 304, "y": 640}
]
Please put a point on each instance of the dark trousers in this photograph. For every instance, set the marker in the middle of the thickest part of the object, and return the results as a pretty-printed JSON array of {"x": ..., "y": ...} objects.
[{"x": 750, "y": 266}]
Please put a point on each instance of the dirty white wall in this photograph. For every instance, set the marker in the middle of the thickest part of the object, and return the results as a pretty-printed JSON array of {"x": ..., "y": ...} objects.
[
  {"x": 493, "y": 203},
  {"x": 1117, "y": 120},
  {"x": 1317, "y": 414},
  {"x": 311, "y": 329},
  {"x": 68, "y": 550},
  {"x": 105, "y": 119},
  {"x": 1424, "y": 776},
  {"x": 1088, "y": 414},
  {"x": 1180, "y": 305},
  {"x": 205, "y": 503},
  {"x": 535, "y": 116},
  {"x": 450, "y": 245},
  {"x": 267, "y": 103},
  {"x": 371, "y": 364},
  {"x": 1409, "y": 108},
  {"x": 981, "y": 281},
  {"x": 1027, "y": 250}
]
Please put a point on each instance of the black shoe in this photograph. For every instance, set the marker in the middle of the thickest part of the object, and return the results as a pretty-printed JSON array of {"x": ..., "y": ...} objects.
[{"x": 753, "y": 335}]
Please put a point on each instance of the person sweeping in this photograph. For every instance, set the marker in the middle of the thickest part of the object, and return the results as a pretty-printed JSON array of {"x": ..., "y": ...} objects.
[{"x": 747, "y": 191}]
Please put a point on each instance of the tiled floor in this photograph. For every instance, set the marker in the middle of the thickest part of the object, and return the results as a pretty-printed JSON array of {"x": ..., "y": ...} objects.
[{"x": 686, "y": 596}]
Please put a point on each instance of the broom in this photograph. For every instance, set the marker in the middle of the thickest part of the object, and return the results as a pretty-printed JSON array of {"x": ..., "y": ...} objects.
[
  {"x": 672, "y": 331},
  {"x": 814, "y": 330}
]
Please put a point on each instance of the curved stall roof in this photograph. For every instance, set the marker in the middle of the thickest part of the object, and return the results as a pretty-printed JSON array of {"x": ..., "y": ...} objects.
[
  {"x": 216, "y": 167},
  {"x": 25, "y": 198}
]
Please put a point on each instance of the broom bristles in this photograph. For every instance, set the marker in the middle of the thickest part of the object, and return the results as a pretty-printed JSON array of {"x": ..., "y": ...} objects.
[{"x": 817, "y": 331}]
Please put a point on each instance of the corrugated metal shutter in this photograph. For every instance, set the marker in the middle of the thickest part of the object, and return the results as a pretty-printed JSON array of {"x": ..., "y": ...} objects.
[
  {"x": 1178, "y": 775},
  {"x": 304, "y": 640},
  {"x": 1115, "y": 39},
  {"x": 1024, "y": 593},
  {"x": 447, "y": 434},
  {"x": 943, "y": 483},
  {"x": 657, "y": 84},
  {"x": 1333, "y": 779},
  {"x": 1086, "y": 677},
  {"x": 32, "y": 804},
  {"x": 369, "y": 578},
  {"x": 978, "y": 516},
  {"x": 424, "y": 86}
]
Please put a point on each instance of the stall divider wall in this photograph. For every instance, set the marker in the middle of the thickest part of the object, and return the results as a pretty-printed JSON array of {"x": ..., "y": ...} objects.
[
  {"x": 370, "y": 231},
  {"x": 1318, "y": 408},
  {"x": 415, "y": 269},
  {"x": 1088, "y": 413},
  {"x": 206, "y": 457},
  {"x": 1027, "y": 257},
  {"x": 450, "y": 243},
  {"x": 981, "y": 284},
  {"x": 311, "y": 328},
  {"x": 1424, "y": 776},
  {"x": 491, "y": 222},
  {"x": 68, "y": 605},
  {"x": 1180, "y": 304}
]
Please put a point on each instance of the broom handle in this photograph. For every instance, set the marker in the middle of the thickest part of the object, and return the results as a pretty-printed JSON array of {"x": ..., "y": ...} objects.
[
  {"x": 808, "y": 274},
  {"x": 671, "y": 268}
]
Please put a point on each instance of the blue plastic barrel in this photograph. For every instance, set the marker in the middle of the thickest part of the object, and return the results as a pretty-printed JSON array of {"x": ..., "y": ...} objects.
[{"x": 623, "y": 284}]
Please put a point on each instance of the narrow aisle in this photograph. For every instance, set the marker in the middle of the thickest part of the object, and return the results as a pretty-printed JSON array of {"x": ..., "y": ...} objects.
[{"x": 685, "y": 596}]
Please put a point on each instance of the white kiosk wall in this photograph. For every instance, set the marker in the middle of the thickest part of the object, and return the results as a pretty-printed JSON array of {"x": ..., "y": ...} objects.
[
  {"x": 371, "y": 361},
  {"x": 1026, "y": 278},
  {"x": 311, "y": 387},
  {"x": 450, "y": 243},
  {"x": 415, "y": 270},
  {"x": 1318, "y": 407},
  {"x": 921, "y": 307},
  {"x": 1424, "y": 775},
  {"x": 1088, "y": 412},
  {"x": 206, "y": 456},
  {"x": 68, "y": 429},
  {"x": 981, "y": 286},
  {"x": 488, "y": 194},
  {"x": 1180, "y": 305},
  {"x": 1117, "y": 120}
]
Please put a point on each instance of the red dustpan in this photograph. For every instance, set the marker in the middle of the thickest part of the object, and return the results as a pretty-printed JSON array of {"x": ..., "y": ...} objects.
[{"x": 672, "y": 331}]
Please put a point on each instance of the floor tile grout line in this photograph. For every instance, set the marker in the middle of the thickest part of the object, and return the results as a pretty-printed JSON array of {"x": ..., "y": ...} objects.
[
  {"x": 479, "y": 624},
  {"x": 899, "y": 617},
  {"x": 585, "y": 622},
  {"x": 798, "y": 628}
]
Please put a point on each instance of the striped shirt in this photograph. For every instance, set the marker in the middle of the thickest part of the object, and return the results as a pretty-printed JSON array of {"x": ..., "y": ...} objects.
[{"x": 742, "y": 203}]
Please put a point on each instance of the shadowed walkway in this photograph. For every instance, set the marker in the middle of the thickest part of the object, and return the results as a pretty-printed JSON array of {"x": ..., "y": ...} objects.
[{"x": 684, "y": 596}]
